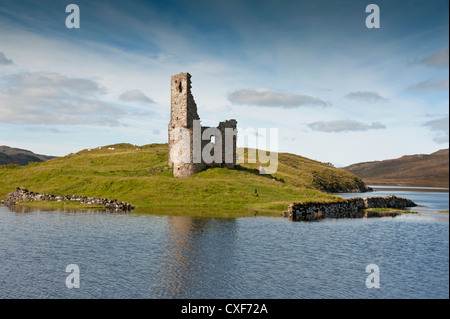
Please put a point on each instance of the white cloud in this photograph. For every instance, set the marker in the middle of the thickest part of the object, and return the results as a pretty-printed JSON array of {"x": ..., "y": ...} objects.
[
  {"x": 441, "y": 127},
  {"x": 440, "y": 85},
  {"x": 135, "y": 95},
  {"x": 51, "y": 80},
  {"x": 52, "y": 99},
  {"x": 441, "y": 139},
  {"x": 438, "y": 59},
  {"x": 4, "y": 60},
  {"x": 344, "y": 126},
  {"x": 267, "y": 97},
  {"x": 366, "y": 96},
  {"x": 43, "y": 129}
]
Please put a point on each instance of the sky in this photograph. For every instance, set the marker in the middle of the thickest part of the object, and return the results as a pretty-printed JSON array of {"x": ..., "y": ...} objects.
[{"x": 335, "y": 90}]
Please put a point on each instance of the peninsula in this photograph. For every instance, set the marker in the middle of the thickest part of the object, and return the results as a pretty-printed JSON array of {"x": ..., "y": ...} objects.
[{"x": 140, "y": 175}]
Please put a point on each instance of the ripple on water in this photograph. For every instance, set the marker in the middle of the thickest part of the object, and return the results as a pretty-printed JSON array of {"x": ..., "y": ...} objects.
[{"x": 149, "y": 256}]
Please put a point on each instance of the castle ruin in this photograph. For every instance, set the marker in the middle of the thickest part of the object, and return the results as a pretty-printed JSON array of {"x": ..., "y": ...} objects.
[{"x": 192, "y": 147}]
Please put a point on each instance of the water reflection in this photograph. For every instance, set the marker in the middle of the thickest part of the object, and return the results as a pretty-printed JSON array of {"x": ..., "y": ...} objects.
[
  {"x": 21, "y": 209},
  {"x": 141, "y": 255},
  {"x": 25, "y": 209},
  {"x": 196, "y": 248}
]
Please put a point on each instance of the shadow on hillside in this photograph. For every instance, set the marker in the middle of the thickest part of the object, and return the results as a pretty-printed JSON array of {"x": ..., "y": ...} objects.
[{"x": 256, "y": 171}]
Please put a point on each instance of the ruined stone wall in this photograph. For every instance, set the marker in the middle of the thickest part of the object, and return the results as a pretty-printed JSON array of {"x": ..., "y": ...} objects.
[
  {"x": 181, "y": 132},
  {"x": 22, "y": 194},
  {"x": 228, "y": 155},
  {"x": 348, "y": 208},
  {"x": 183, "y": 113}
]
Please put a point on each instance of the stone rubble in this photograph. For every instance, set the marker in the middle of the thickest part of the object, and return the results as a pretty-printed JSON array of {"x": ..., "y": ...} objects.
[{"x": 22, "y": 194}]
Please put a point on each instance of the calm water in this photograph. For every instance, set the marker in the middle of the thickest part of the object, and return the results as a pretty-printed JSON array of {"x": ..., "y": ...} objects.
[{"x": 149, "y": 256}]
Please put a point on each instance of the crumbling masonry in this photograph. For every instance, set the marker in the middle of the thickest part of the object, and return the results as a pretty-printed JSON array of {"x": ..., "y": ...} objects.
[{"x": 192, "y": 147}]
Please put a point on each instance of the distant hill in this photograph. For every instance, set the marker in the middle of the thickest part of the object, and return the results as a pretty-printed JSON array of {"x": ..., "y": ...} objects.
[
  {"x": 426, "y": 170},
  {"x": 10, "y": 155}
]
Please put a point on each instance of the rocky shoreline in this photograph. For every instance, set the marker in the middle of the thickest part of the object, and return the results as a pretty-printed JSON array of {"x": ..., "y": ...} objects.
[
  {"x": 22, "y": 194},
  {"x": 346, "y": 208}
]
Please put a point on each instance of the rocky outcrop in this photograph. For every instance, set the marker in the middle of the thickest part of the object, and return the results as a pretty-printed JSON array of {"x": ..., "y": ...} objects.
[
  {"x": 346, "y": 208},
  {"x": 356, "y": 186},
  {"x": 22, "y": 194}
]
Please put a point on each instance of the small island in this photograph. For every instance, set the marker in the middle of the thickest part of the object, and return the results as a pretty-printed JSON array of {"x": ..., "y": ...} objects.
[{"x": 139, "y": 177}]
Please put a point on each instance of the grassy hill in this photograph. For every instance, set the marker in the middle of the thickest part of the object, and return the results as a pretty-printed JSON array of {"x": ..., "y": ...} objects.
[
  {"x": 140, "y": 176},
  {"x": 411, "y": 170},
  {"x": 9, "y": 155}
]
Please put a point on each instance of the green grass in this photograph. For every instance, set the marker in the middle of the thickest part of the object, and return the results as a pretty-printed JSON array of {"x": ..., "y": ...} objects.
[
  {"x": 387, "y": 210},
  {"x": 444, "y": 211},
  {"x": 140, "y": 176}
]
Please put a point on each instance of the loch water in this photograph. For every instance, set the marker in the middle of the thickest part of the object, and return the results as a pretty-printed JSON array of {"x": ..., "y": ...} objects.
[{"x": 131, "y": 255}]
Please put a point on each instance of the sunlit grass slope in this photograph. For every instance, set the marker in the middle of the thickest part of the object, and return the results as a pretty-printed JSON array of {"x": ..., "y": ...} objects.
[{"x": 140, "y": 176}]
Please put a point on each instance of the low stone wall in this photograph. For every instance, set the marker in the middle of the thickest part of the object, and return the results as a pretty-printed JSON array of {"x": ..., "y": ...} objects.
[
  {"x": 346, "y": 208},
  {"x": 387, "y": 202},
  {"x": 24, "y": 195}
]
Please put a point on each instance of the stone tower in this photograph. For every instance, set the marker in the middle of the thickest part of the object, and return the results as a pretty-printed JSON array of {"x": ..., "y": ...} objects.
[
  {"x": 187, "y": 138},
  {"x": 182, "y": 114}
]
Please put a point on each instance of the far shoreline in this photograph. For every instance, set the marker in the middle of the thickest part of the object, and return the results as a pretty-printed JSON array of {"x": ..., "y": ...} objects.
[{"x": 409, "y": 188}]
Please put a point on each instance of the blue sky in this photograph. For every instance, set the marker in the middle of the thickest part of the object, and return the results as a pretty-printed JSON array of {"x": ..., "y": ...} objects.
[{"x": 337, "y": 91}]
